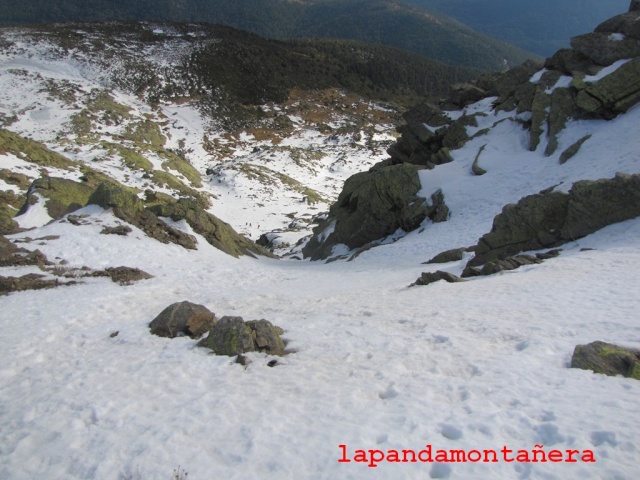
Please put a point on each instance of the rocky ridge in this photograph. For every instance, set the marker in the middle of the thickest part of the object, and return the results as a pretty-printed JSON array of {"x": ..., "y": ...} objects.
[{"x": 598, "y": 78}]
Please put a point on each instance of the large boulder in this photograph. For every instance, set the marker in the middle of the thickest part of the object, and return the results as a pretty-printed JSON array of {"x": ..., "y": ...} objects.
[
  {"x": 552, "y": 218},
  {"x": 601, "y": 357},
  {"x": 627, "y": 24},
  {"x": 233, "y": 336},
  {"x": 62, "y": 195},
  {"x": 595, "y": 204},
  {"x": 266, "y": 337},
  {"x": 373, "y": 205},
  {"x": 606, "y": 48},
  {"x": 183, "y": 318}
]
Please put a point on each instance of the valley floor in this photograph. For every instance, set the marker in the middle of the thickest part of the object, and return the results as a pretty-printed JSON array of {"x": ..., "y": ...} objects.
[{"x": 379, "y": 366}]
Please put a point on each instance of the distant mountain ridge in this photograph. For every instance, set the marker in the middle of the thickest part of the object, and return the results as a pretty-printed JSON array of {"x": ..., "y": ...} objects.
[
  {"x": 540, "y": 26},
  {"x": 373, "y": 21}
]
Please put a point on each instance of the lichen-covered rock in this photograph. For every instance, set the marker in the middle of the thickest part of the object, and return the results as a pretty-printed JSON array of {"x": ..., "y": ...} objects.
[
  {"x": 552, "y": 218},
  {"x": 608, "y": 359},
  {"x": 218, "y": 233},
  {"x": 613, "y": 94},
  {"x": 63, "y": 196},
  {"x": 183, "y": 318},
  {"x": 266, "y": 337},
  {"x": 373, "y": 205},
  {"x": 229, "y": 336},
  {"x": 125, "y": 204},
  {"x": 128, "y": 207}
]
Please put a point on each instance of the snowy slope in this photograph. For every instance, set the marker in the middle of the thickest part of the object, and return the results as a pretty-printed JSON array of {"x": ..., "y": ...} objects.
[
  {"x": 481, "y": 365},
  {"x": 266, "y": 180}
]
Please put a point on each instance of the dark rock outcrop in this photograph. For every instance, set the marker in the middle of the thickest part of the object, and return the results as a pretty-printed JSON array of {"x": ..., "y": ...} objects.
[
  {"x": 31, "y": 281},
  {"x": 13, "y": 256},
  {"x": 614, "y": 94},
  {"x": 218, "y": 233},
  {"x": 123, "y": 275},
  {"x": 128, "y": 207},
  {"x": 608, "y": 359},
  {"x": 606, "y": 48},
  {"x": 554, "y": 218},
  {"x": 427, "y": 278},
  {"x": 496, "y": 266},
  {"x": 183, "y": 318},
  {"x": 568, "y": 88},
  {"x": 373, "y": 205},
  {"x": 452, "y": 255}
]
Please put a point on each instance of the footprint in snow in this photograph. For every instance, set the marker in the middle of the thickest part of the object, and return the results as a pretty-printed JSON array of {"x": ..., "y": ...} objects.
[
  {"x": 440, "y": 470},
  {"x": 602, "y": 437},
  {"x": 389, "y": 393},
  {"x": 451, "y": 432}
]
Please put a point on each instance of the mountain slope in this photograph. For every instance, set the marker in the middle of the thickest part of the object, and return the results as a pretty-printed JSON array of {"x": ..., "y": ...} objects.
[
  {"x": 543, "y": 26},
  {"x": 380, "y": 21},
  {"x": 377, "y": 371}
]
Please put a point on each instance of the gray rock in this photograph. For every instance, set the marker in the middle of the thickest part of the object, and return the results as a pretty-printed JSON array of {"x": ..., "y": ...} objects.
[
  {"x": 627, "y": 24},
  {"x": 183, "y": 318},
  {"x": 230, "y": 336},
  {"x": 233, "y": 336},
  {"x": 613, "y": 94},
  {"x": 463, "y": 94},
  {"x": 570, "y": 61},
  {"x": 266, "y": 337},
  {"x": 430, "y": 277},
  {"x": 572, "y": 150},
  {"x": 603, "y": 49},
  {"x": 608, "y": 359},
  {"x": 595, "y": 204},
  {"x": 453, "y": 255},
  {"x": 373, "y": 205},
  {"x": 496, "y": 266},
  {"x": 551, "y": 219}
]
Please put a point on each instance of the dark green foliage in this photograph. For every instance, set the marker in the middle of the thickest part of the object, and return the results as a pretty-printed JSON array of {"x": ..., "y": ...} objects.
[{"x": 254, "y": 70}]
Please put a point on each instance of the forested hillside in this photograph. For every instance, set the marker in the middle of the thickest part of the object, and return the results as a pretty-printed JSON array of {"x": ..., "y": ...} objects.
[{"x": 373, "y": 21}]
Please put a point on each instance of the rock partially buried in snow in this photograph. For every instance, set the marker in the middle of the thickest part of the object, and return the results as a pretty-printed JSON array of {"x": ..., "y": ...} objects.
[
  {"x": 431, "y": 277},
  {"x": 233, "y": 336},
  {"x": 183, "y": 318},
  {"x": 606, "y": 358}
]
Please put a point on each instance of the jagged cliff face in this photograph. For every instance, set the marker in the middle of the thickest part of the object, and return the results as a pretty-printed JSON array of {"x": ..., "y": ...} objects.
[{"x": 597, "y": 79}]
